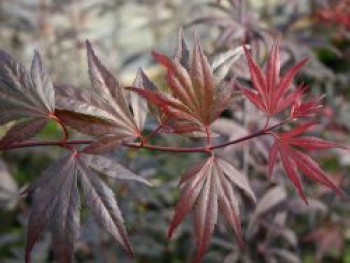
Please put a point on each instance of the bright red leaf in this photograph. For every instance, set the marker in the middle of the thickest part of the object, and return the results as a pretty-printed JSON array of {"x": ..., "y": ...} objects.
[
  {"x": 271, "y": 92},
  {"x": 293, "y": 160}
]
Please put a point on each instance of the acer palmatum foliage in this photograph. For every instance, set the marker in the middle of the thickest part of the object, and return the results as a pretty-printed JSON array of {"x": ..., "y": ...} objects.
[{"x": 195, "y": 97}]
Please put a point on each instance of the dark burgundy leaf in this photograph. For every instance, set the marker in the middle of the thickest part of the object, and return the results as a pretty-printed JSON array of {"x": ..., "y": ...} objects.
[
  {"x": 103, "y": 205},
  {"x": 55, "y": 194}
]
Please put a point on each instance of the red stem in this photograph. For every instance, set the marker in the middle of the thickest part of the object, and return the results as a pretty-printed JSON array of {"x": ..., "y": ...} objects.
[
  {"x": 64, "y": 129},
  {"x": 62, "y": 126},
  {"x": 207, "y": 132},
  {"x": 45, "y": 143},
  {"x": 166, "y": 149},
  {"x": 153, "y": 133},
  {"x": 245, "y": 138},
  {"x": 204, "y": 149}
]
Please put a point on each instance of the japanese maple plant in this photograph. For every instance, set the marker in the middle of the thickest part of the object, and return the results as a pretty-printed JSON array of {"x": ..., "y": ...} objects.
[{"x": 114, "y": 116}]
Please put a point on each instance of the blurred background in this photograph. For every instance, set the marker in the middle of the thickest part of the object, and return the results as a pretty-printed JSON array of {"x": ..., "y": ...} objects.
[{"x": 279, "y": 228}]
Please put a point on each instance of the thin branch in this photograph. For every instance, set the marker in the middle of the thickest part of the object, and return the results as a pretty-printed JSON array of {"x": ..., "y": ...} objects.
[
  {"x": 207, "y": 132},
  {"x": 267, "y": 122},
  {"x": 28, "y": 144},
  {"x": 205, "y": 149},
  {"x": 153, "y": 133},
  {"x": 167, "y": 149},
  {"x": 250, "y": 136},
  {"x": 62, "y": 126}
]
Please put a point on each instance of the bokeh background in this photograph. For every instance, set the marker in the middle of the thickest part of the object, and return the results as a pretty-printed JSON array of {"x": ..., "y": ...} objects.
[{"x": 279, "y": 228}]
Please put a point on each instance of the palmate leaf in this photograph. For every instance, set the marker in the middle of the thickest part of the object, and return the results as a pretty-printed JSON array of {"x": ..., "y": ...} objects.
[
  {"x": 294, "y": 160},
  {"x": 100, "y": 200},
  {"x": 194, "y": 99},
  {"x": 105, "y": 101},
  {"x": 207, "y": 187},
  {"x": 56, "y": 202},
  {"x": 24, "y": 94},
  {"x": 55, "y": 196},
  {"x": 271, "y": 92}
]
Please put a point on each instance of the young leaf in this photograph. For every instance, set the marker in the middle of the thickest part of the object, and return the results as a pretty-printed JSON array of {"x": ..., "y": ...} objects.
[
  {"x": 271, "y": 92},
  {"x": 193, "y": 97}
]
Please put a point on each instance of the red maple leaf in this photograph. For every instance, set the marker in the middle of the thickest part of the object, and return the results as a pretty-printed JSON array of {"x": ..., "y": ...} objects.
[
  {"x": 193, "y": 100},
  {"x": 295, "y": 160},
  {"x": 271, "y": 92}
]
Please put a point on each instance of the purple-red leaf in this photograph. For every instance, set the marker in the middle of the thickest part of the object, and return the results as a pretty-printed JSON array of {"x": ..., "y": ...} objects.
[
  {"x": 273, "y": 93},
  {"x": 111, "y": 168},
  {"x": 236, "y": 177},
  {"x": 109, "y": 90},
  {"x": 86, "y": 124},
  {"x": 311, "y": 169},
  {"x": 313, "y": 143},
  {"x": 24, "y": 94},
  {"x": 22, "y": 131},
  {"x": 291, "y": 169},
  {"x": 205, "y": 188},
  {"x": 139, "y": 104},
  {"x": 56, "y": 202},
  {"x": 192, "y": 186},
  {"x": 192, "y": 95},
  {"x": 206, "y": 213},
  {"x": 257, "y": 75},
  {"x": 100, "y": 199},
  {"x": 294, "y": 160},
  {"x": 56, "y": 205}
]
